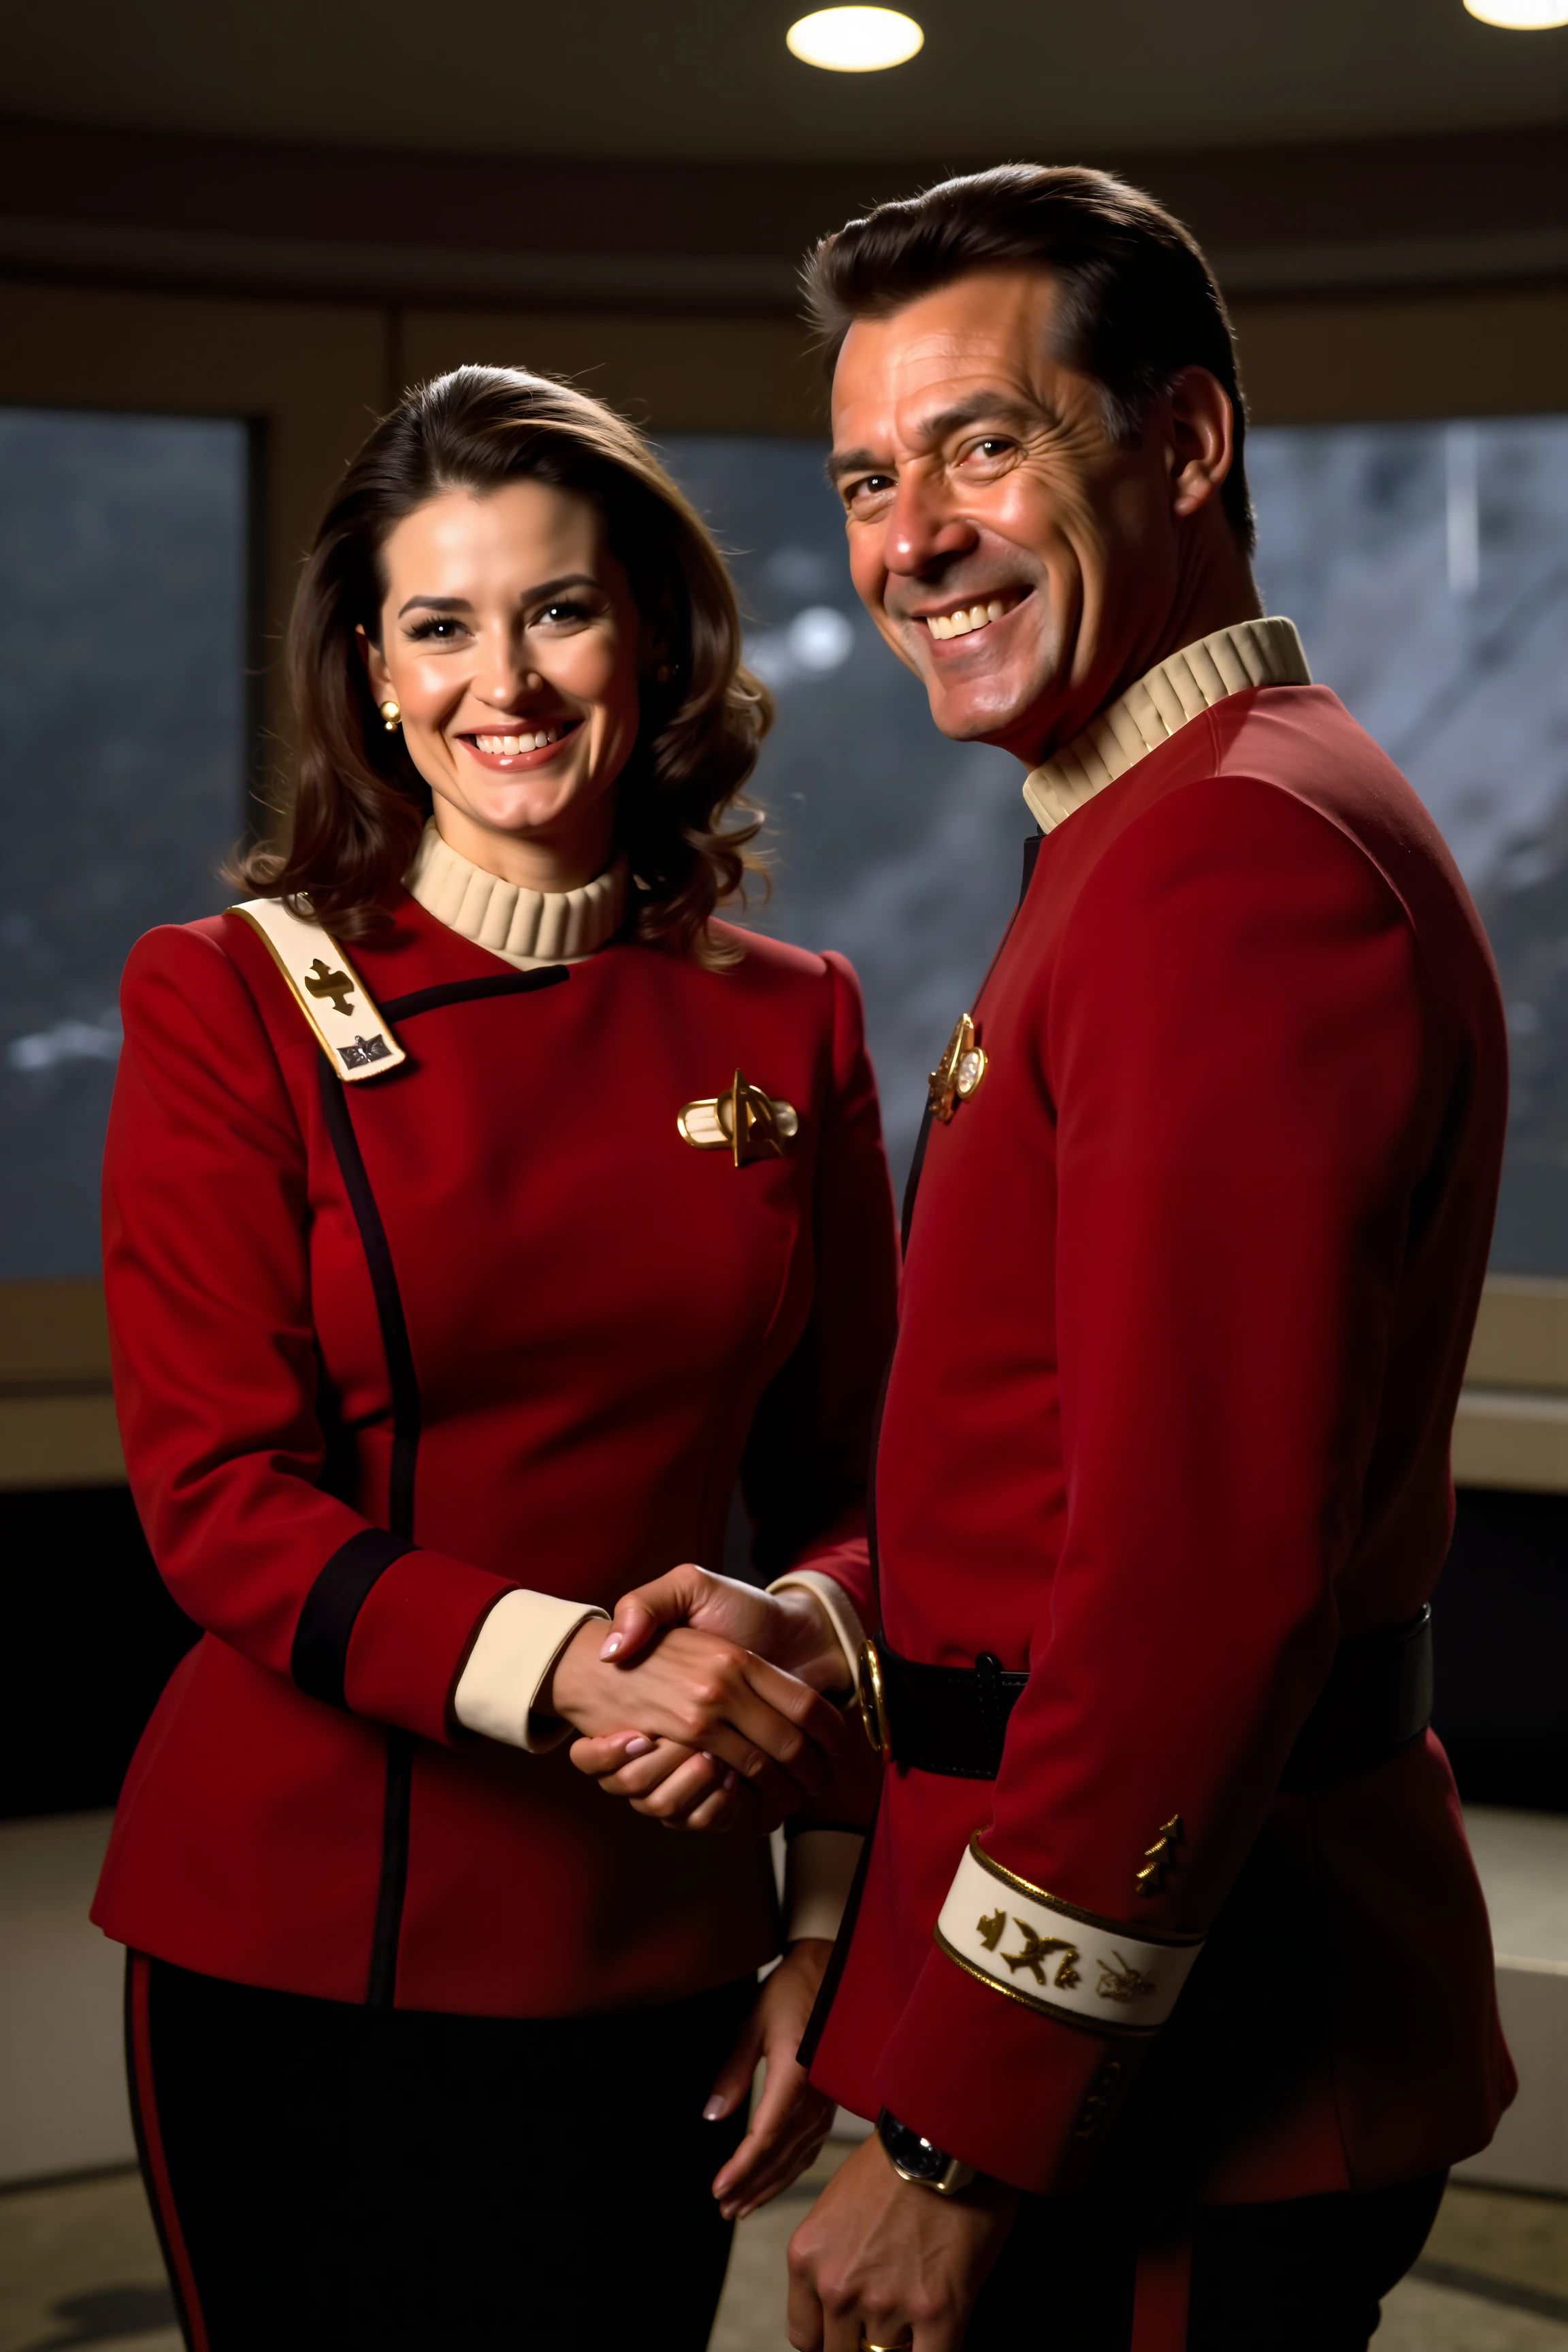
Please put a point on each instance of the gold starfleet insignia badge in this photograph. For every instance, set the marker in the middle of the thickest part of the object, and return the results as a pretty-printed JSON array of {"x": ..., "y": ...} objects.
[
  {"x": 958, "y": 1073},
  {"x": 746, "y": 1122}
]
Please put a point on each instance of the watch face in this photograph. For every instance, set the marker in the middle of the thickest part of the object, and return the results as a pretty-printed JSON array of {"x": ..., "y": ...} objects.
[{"x": 908, "y": 2150}]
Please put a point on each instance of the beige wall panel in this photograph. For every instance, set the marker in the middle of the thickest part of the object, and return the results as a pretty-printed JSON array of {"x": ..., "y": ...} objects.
[
  {"x": 1511, "y": 1431},
  {"x": 62, "y": 1995},
  {"x": 1522, "y": 1334},
  {"x": 60, "y": 1441},
  {"x": 1495, "y": 350},
  {"x": 313, "y": 374},
  {"x": 1530, "y": 2149},
  {"x": 52, "y": 1331},
  {"x": 57, "y": 1407},
  {"x": 1511, "y": 1437},
  {"x": 1490, "y": 351},
  {"x": 676, "y": 375}
]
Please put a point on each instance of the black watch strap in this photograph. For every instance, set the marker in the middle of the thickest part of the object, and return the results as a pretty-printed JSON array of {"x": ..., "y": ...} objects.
[{"x": 914, "y": 2158}]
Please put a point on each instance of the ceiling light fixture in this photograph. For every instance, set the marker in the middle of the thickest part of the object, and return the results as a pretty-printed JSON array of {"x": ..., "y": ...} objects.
[
  {"x": 855, "y": 40},
  {"x": 1519, "y": 15}
]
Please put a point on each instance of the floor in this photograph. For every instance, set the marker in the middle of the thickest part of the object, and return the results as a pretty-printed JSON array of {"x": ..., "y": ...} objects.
[{"x": 79, "y": 2266}]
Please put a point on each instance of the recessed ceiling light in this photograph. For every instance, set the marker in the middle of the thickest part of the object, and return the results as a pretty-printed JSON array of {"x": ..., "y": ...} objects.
[
  {"x": 855, "y": 40},
  {"x": 1520, "y": 16}
]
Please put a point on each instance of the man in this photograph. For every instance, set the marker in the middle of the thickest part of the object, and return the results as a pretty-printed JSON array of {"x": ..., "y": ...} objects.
[{"x": 1168, "y": 1961}]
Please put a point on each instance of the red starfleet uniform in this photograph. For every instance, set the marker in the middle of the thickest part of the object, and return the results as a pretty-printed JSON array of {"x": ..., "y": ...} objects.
[
  {"x": 493, "y": 1298},
  {"x": 1183, "y": 1319}
]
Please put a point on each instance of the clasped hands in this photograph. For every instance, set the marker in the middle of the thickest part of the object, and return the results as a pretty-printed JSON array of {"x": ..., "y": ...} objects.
[
  {"x": 724, "y": 1685},
  {"x": 702, "y": 1703}
]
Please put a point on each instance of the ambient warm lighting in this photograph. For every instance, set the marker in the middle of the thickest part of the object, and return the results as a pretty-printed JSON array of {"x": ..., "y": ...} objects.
[
  {"x": 855, "y": 40},
  {"x": 1520, "y": 16}
]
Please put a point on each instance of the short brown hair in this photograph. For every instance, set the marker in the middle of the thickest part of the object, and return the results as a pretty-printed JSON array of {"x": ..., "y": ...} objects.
[
  {"x": 358, "y": 804},
  {"x": 1141, "y": 301}
]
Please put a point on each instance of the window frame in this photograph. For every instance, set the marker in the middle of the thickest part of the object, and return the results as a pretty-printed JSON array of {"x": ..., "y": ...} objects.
[{"x": 309, "y": 378}]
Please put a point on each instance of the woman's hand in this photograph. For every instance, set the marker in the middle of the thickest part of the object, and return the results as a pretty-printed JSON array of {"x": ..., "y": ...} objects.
[
  {"x": 680, "y": 1787},
  {"x": 701, "y": 1692},
  {"x": 792, "y": 2119}
]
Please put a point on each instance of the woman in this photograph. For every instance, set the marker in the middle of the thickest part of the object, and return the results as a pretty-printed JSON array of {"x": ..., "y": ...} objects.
[{"x": 478, "y": 1211}]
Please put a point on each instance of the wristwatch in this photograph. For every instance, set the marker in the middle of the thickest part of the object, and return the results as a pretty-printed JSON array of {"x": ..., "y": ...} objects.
[{"x": 917, "y": 2159}]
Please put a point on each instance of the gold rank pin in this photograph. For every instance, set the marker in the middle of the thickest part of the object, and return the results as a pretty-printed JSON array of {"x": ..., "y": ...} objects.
[
  {"x": 743, "y": 1121},
  {"x": 1160, "y": 1857},
  {"x": 958, "y": 1073}
]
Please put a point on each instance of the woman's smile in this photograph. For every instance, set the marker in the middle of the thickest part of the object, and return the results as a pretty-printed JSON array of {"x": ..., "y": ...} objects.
[{"x": 506, "y": 751}]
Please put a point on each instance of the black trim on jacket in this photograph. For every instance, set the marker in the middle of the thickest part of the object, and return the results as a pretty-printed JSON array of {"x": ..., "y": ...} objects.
[
  {"x": 375, "y": 1557},
  {"x": 319, "y": 1661},
  {"x": 400, "y": 1371},
  {"x": 469, "y": 992},
  {"x": 333, "y": 1602}
]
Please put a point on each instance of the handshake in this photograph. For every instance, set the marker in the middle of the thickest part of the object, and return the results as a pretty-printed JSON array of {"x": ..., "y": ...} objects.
[{"x": 701, "y": 1704}]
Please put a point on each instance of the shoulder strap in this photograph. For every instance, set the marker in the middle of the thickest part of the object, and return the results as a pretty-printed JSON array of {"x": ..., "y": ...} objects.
[{"x": 327, "y": 988}]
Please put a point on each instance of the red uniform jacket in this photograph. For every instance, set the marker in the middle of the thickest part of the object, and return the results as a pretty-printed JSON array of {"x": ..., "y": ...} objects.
[
  {"x": 497, "y": 1288},
  {"x": 1183, "y": 1319}
]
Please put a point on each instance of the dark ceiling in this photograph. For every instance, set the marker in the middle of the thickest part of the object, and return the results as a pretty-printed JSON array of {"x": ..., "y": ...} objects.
[{"x": 710, "y": 80}]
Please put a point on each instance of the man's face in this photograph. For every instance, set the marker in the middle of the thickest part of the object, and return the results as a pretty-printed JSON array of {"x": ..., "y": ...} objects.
[{"x": 1012, "y": 553}]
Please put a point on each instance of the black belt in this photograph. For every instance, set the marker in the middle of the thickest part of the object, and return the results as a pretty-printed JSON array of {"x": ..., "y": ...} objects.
[{"x": 952, "y": 1720}]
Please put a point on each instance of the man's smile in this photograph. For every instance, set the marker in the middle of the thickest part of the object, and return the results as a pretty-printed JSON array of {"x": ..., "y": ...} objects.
[{"x": 963, "y": 620}]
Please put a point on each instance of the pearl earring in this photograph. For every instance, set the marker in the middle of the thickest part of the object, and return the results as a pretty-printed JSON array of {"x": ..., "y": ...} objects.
[{"x": 391, "y": 716}]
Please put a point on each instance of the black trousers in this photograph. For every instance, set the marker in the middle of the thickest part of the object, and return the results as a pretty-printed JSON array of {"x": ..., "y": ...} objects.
[
  {"x": 330, "y": 2179},
  {"x": 1306, "y": 2275}
]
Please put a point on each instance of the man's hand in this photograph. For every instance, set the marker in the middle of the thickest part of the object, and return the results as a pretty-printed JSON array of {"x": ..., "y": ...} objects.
[
  {"x": 670, "y": 1781},
  {"x": 884, "y": 2257},
  {"x": 702, "y": 1692},
  {"x": 790, "y": 1628},
  {"x": 792, "y": 2119}
]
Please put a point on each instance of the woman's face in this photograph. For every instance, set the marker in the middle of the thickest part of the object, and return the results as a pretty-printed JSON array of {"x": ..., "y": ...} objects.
[{"x": 512, "y": 647}]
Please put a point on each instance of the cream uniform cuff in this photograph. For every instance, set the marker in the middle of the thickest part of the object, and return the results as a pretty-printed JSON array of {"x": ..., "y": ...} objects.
[
  {"x": 819, "y": 1870},
  {"x": 837, "y": 1607},
  {"x": 509, "y": 1665},
  {"x": 1069, "y": 1962}
]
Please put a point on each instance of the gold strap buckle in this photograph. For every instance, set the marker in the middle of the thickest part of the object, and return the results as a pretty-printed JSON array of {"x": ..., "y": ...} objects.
[{"x": 871, "y": 1698}]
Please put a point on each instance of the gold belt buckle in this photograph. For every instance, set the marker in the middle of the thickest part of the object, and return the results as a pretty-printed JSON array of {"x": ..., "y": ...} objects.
[{"x": 872, "y": 1700}]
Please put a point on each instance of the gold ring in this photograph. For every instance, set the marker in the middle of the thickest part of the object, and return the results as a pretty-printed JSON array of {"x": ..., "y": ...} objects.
[
  {"x": 904, "y": 2343},
  {"x": 872, "y": 1701}
]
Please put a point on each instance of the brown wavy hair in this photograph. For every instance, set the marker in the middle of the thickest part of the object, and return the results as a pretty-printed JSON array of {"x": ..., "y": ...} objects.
[{"x": 358, "y": 805}]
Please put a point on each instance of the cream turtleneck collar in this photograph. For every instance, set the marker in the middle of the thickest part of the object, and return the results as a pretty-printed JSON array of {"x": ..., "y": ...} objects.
[
  {"x": 524, "y": 928},
  {"x": 1248, "y": 654}
]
